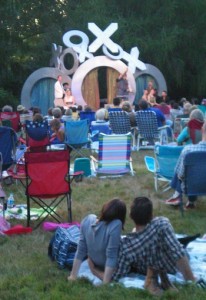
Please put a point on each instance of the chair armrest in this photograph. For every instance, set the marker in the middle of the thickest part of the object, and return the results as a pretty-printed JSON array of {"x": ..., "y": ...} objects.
[{"x": 163, "y": 127}]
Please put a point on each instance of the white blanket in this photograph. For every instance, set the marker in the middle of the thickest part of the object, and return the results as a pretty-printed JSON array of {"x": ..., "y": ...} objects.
[{"x": 197, "y": 256}]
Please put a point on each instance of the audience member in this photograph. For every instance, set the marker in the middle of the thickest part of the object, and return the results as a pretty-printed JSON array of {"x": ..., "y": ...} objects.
[
  {"x": 189, "y": 133},
  {"x": 38, "y": 118},
  {"x": 100, "y": 239},
  {"x": 57, "y": 136},
  {"x": 126, "y": 106},
  {"x": 143, "y": 105},
  {"x": 152, "y": 245},
  {"x": 180, "y": 170},
  {"x": 202, "y": 106},
  {"x": 68, "y": 115},
  {"x": 7, "y": 108},
  {"x": 116, "y": 105}
]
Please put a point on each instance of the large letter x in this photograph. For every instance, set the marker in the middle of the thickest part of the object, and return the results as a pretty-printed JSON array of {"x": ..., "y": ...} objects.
[{"x": 103, "y": 37}]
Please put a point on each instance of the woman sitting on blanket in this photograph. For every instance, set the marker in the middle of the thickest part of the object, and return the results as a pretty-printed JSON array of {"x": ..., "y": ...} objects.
[{"x": 100, "y": 239}]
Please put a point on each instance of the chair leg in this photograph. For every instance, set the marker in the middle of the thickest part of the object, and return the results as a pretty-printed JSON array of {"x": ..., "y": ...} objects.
[{"x": 28, "y": 211}]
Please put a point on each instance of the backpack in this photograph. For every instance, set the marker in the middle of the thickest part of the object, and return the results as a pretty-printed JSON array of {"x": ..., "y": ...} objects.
[{"x": 63, "y": 246}]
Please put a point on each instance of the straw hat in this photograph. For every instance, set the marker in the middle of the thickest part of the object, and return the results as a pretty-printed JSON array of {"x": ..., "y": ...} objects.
[{"x": 20, "y": 107}]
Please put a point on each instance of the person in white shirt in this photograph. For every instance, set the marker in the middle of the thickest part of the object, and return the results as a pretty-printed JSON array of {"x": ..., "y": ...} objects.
[{"x": 59, "y": 92}]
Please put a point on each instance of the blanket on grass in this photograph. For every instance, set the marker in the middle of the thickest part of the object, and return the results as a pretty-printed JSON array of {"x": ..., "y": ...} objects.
[
  {"x": 20, "y": 212},
  {"x": 197, "y": 256}
]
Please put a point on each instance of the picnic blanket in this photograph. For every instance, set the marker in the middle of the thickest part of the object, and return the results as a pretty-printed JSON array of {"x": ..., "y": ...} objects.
[
  {"x": 20, "y": 212},
  {"x": 197, "y": 256}
]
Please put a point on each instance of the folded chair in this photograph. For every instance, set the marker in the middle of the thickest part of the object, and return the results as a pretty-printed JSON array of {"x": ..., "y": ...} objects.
[
  {"x": 76, "y": 136},
  {"x": 114, "y": 155},
  {"x": 148, "y": 130},
  {"x": 47, "y": 183},
  {"x": 37, "y": 134},
  {"x": 162, "y": 165},
  {"x": 195, "y": 174}
]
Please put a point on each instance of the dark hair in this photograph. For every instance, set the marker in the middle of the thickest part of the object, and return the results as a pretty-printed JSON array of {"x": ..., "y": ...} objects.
[
  {"x": 116, "y": 101},
  {"x": 141, "y": 210},
  {"x": 38, "y": 118},
  {"x": 112, "y": 210},
  {"x": 143, "y": 104}
]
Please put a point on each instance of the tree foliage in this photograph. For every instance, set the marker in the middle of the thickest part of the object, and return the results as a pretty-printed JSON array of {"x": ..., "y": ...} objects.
[{"x": 170, "y": 34}]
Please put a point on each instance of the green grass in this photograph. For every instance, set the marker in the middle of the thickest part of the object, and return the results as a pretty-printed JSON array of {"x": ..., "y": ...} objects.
[{"x": 26, "y": 271}]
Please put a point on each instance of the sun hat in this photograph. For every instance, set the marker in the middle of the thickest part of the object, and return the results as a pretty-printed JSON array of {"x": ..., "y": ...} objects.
[{"x": 20, "y": 107}]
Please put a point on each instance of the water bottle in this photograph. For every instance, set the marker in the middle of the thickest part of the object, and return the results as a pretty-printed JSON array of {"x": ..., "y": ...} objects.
[{"x": 10, "y": 201}]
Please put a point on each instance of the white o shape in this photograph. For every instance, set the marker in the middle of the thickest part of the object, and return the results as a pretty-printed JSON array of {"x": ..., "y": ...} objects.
[
  {"x": 108, "y": 54},
  {"x": 93, "y": 63},
  {"x": 69, "y": 34}
]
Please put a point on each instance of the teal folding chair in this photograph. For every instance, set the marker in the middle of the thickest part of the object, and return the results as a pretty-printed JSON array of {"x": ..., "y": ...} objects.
[
  {"x": 162, "y": 165},
  {"x": 76, "y": 136}
]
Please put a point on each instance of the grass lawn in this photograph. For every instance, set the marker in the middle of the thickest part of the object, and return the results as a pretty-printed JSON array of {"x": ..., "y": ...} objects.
[{"x": 26, "y": 271}]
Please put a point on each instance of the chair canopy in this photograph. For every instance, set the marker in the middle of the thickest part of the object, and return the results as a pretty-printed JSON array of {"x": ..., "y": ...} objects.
[
  {"x": 119, "y": 122},
  {"x": 37, "y": 133},
  {"x": 13, "y": 117},
  {"x": 46, "y": 174},
  {"x": 8, "y": 140},
  {"x": 114, "y": 154}
]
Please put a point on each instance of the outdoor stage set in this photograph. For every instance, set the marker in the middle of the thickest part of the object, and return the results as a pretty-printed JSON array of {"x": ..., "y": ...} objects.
[{"x": 38, "y": 89}]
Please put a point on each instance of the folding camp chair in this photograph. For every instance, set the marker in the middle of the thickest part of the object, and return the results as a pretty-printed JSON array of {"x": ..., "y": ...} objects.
[
  {"x": 87, "y": 115},
  {"x": 195, "y": 174},
  {"x": 2, "y": 194},
  {"x": 8, "y": 142},
  {"x": 95, "y": 131},
  {"x": 114, "y": 155},
  {"x": 148, "y": 130},
  {"x": 120, "y": 123},
  {"x": 76, "y": 136},
  {"x": 37, "y": 134},
  {"x": 163, "y": 165},
  {"x": 13, "y": 117},
  {"x": 47, "y": 183}
]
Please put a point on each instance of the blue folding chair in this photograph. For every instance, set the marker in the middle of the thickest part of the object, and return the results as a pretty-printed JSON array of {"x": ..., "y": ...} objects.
[
  {"x": 163, "y": 164},
  {"x": 76, "y": 136},
  {"x": 194, "y": 175},
  {"x": 87, "y": 115},
  {"x": 148, "y": 130},
  {"x": 8, "y": 142},
  {"x": 120, "y": 124}
]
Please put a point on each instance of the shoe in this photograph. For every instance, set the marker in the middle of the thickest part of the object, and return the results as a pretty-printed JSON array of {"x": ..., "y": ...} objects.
[
  {"x": 173, "y": 201},
  {"x": 189, "y": 205}
]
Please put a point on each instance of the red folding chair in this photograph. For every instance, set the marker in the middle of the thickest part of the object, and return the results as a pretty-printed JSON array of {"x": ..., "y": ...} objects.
[
  {"x": 37, "y": 135},
  {"x": 47, "y": 183},
  {"x": 13, "y": 117}
]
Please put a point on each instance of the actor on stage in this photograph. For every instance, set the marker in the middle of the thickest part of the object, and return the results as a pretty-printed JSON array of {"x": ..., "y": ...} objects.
[{"x": 59, "y": 92}]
